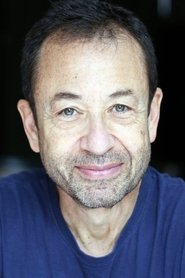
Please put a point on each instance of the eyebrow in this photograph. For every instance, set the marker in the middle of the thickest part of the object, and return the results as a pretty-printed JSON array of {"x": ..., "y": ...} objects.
[
  {"x": 65, "y": 95},
  {"x": 121, "y": 93},
  {"x": 69, "y": 95}
]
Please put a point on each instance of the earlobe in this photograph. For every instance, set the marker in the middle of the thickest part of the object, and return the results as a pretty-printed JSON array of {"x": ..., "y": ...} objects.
[
  {"x": 154, "y": 115},
  {"x": 29, "y": 124}
]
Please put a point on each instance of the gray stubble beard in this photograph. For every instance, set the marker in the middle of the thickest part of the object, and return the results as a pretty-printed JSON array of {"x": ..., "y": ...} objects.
[{"x": 97, "y": 193}]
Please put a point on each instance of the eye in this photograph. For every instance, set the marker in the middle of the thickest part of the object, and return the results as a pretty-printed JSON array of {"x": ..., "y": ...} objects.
[
  {"x": 120, "y": 108},
  {"x": 68, "y": 112}
]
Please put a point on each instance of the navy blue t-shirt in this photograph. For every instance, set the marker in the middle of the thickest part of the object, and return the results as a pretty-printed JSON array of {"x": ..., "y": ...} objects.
[{"x": 35, "y": 241}]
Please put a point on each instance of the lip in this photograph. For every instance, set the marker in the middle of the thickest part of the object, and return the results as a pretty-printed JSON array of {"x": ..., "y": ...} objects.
[{"x": 95, "y": 172}]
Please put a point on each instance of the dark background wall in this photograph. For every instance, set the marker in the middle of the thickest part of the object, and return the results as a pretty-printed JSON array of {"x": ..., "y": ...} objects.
[{"x": 167, "y": 27}]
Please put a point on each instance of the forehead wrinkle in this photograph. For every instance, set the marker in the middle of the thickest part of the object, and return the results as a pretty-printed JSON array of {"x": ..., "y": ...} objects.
[
  {"x": 73, "y": 96},
  {"x": 65, "y": 95},
  {"x": 128, "y": 93},
  {"x": 127, "y": 90}
]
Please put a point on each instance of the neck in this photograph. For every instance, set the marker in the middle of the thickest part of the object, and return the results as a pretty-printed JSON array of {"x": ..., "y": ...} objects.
[{"x": 97, "y": 230}]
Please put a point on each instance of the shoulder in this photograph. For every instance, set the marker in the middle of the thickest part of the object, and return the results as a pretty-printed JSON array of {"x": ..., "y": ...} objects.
[
  {"x": 168, "y": 188},
  {"x": 168, "y": 195},
  {"x": 24, "y": 193},
  {"x": 23, "y": 176},
  {"x": 164, "y": 181},
  {"x": 25, "y": 181}
]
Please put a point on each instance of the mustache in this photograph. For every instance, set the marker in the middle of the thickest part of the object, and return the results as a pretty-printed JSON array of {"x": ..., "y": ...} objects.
[{"x": 92, "y": 159}]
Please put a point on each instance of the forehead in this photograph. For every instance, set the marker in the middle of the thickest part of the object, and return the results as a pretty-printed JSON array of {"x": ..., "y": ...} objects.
[{"x": 90, "y": 65}]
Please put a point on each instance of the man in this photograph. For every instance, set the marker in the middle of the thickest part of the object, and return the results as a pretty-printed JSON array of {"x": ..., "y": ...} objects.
[{"x": 91, "y": 110}]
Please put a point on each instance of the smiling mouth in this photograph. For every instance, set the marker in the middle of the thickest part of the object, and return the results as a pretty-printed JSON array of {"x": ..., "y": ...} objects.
[{"x": 95, "y": 172}]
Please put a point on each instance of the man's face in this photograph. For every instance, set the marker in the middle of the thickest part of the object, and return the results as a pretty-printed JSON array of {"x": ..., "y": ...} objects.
[{"x": 94, "y": 130}]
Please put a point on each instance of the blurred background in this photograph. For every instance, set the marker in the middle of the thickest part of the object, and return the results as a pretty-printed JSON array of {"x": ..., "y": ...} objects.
[{"x": 165, "y": 20}]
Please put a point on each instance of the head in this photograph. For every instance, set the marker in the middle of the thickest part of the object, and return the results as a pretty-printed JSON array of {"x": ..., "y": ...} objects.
[{"x": 91, "y": 103}]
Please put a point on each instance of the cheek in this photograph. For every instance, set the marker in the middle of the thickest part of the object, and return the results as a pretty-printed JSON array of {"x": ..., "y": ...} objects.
[
  {"x": 133, "y": 137},
  {"x": 144, "y": 134},
  {"x": 55, "y": 140}
]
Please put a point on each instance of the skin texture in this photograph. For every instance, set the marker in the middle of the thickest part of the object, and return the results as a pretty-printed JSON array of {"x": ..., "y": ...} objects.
[{"x": 93, "y": 132}]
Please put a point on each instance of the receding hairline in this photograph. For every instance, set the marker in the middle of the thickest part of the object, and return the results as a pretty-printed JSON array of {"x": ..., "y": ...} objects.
[
  {"x": 111, "y": 32},
  {"x": 119, "y": 35}
]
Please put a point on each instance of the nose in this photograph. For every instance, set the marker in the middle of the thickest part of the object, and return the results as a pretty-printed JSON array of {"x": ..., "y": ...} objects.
[{"x": 98, "y": 140}]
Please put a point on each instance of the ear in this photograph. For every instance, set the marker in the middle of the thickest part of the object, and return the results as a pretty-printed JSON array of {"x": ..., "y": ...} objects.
[
  {"x": 153, "y": 118},
  {"x": 29, "y": 124}
]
